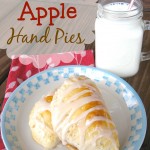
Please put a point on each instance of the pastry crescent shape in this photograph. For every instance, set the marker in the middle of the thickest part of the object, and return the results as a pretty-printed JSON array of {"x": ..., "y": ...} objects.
[
  {"x": 80, "y": 117},
  {"x": 40, "y": 124}
]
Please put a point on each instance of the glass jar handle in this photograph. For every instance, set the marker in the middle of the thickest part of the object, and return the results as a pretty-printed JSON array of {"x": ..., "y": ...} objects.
[{"x": 146, "y": 55}]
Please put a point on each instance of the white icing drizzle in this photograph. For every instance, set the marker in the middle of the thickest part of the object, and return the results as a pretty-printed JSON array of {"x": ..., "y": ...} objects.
[
  {"x": 98, "y": 118},
  {"x": 62, "y": 112},
  {"x": 104, "y": 133},
  {"x": 41, "y": 106}
]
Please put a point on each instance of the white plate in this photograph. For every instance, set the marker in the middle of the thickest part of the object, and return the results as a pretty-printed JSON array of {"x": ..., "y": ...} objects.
[{"x": 122, "y": 101}]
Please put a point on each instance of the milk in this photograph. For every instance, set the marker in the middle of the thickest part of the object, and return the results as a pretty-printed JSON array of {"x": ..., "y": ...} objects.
[
  {"x": 118, "y": 6},
  {"x": 119, "y": 40}
]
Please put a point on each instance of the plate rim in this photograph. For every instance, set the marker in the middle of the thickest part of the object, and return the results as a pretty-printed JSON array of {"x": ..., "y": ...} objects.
[{"x": 141, "y": 105}]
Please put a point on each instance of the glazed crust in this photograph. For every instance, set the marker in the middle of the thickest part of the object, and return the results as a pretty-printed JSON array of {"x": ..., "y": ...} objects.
[{"x": 84, "y": 116}]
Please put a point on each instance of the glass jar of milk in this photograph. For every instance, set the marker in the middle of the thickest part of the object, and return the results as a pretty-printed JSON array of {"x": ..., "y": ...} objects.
[{"x": 119, "y": 35}]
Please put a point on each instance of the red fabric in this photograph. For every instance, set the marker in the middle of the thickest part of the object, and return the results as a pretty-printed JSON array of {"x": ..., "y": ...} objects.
[{"x": 23, "y": 67}]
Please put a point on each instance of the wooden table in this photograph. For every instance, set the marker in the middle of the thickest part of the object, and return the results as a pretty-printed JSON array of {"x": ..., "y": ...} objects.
[{"x": 140, "y": 82}]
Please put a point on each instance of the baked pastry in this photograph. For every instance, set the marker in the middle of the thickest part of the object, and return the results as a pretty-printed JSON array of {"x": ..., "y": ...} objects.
[
  {"x": 40, "y": 124},
  {"x": 80, "y": 117}
]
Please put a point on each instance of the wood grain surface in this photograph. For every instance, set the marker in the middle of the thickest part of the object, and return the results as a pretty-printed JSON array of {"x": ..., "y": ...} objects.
[
  {"x": 146, "y": 4},
  {"x": 4, "y": 65}
]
